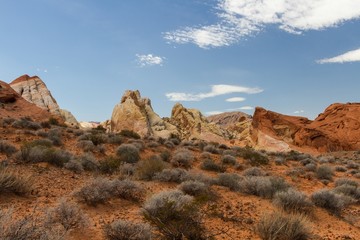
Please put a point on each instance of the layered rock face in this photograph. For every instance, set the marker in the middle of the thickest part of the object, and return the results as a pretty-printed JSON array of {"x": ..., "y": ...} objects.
[
  {"x": 12, "y": 105},
  {"x": 191, "y": 124},
  {"x": 337, "y": 129},
  {"x": 237, "y": 124},
  {"x": 69, "y": 118},
  {"x": 34, "y": 90},
  {"x": 136, "y": 114}
]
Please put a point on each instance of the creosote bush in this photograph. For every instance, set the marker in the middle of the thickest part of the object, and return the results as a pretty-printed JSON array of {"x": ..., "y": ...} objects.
[
  {"x": 175, "y": 215},
  {"x": 125, "y": 230},
  {"x": 282, "y": 226},
  {"x": 293, "y": 201},
  {"x": 182, "y": 158},
  {"x": 128, "y": 153}
]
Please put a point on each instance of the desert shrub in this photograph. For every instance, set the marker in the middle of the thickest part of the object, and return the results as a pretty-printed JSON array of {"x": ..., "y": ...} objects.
[
  {"x": 7, "y": 121},
  {"x": 127, "y": 189},
  {"x": 42, "y": 133},
  {"x": 195, "y": 188},
  {"x": 228, "y": 159},
  {"x": 297, "y": 156},
  {"x": 210, "y": 165},
  {"x": 211, "y": 149},
  {"x": 253, "y": 157},
  {"x": 340, "y": 169},
  {"x": 205, "y": 155},
  {"x": 129, "y": 134},
  {"x": 74, "y": 165},
  {"x": 7, "y": 148},
  {"x": 165, "y": 155},
  {"x": 352, "y": 165},
  {"x": 177, "y": 175},
  {"x": 186, "y": 143},
  {"x": 125, "y": 230},
  {"x": 306, "y": 161},
  {"x": 324, "y": 172},
  {"x": 86, "y": 145},
  {"x": 348, "y": 190},
  {"x": 96, "y": 137},
  {"x": 59, "y": 157},
  {"x": 147, "y": 168},
  {"x": 230, "y": 180},
  {"x": 182, "y": 158},
  {"x": 347, "y": 181},
  {"x": 175, "y": 215},
  {"x": 128, "y": 153},
  {"x": 279, "y": 161},
  {"x": 169, "y": 144},
  {"x": 55, "y": 136},
  {"x": 127, "y": 169},
  {"x": 328, "y": 200},
  {"x": 153, "y": 144},
  {"x": 311, "y": 167},
  {"x": 13, "y": 182},
  {"x": 27, "y": 227},
  {"x": 115, "y": 139},
  {"x": 95, "y": 192},
  {"x": 229, "y": 152},
  {"x": 89, "y": 162},
  {"x": 282, "y": 226},
  {"x": 68, "y": 215},
  {"x": 254, "y": 171},
  {"x": 26, "y": 123},
  {"x": 41, "y": 142},
  {"x": 265, "y": 187},
  {"x": 109, "y": 164},
  {"x": 175, "y": 140},
  {"x": 293, "y": 201}
]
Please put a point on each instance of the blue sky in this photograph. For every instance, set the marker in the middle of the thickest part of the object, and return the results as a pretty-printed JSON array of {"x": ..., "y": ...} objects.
[{"x": 295, "y": 57}]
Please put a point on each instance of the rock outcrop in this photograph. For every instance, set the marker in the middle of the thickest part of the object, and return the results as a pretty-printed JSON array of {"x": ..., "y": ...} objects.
[
  {"x": 12, "y": 105},
  {"x": 337, "y": 129},
  {"x": 237, "y": 124},
  {"x": 88, "y": 125},
  {"x": 69, "y": 118},
  {"x": 34, "y": 90},
  {"x": 136, "y": 114},
  {"x": 191, "y": 124}
]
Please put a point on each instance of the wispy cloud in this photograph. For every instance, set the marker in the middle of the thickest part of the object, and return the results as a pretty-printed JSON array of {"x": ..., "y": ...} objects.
[
  {"x": 216, "y": 90},
  {"x": 149, "y": 60},
  {"x": 246, "y": 108},
  {"x": 239, "y": 19},
  {"x": 351, "y": 56},
  {"x": 299, "y": 111},
  {"x": 236, "y": 99}
]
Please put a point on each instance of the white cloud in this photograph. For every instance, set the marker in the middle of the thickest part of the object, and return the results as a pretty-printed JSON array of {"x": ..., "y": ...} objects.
[
  {"x": 246, "y": 108},
  {"x": 216, "y": 90},
  {"x": 351, "y": 56},
  {"x": 149, "y": 60},
  {"x": 299, "y": 111},
  {"x": 213, "y": 113},
  {"x": 236, "y": 99},
  {"x": 238, "y": 19}
]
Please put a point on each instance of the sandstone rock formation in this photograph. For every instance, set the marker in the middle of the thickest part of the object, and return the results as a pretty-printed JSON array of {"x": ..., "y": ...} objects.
[
  {"x": 69, "y": 119},
  {"x": 88, "y": 125},
  {"x": 191, "y": 124},
  {"x": 237, "y": 124},
  {"x": 136, "y": 114},
  {"x": 12, "y": 105},
  {"x": 337, "y": 129},
  {"x": 34, "y": 90}
]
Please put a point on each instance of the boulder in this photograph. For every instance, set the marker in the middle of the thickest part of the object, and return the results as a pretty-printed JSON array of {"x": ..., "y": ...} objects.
[{"x": 69, "y": 119}]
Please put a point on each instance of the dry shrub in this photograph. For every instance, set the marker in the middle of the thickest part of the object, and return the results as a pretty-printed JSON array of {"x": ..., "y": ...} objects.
[
  {"x": 129, "y": 134},
  {"x": 210, "y": 165},
  {"x": 128, "y": 153},
  {"x": 68, "y": 215},
  {"x": 26, "y": 123},
  {"x": 328, "y": 200},
  {"x": 254, "y": 171},
  {"x": 175, "y": 215},
  {"x": 95, "y": 192},
  {"x": 265, "y": 187},
  {"x": 74, "y": 165},
  {"x": 13, "y": 182},
  {"x": 196, "y": 188},
  {"x": 228, "y": 159},
  {"x": 293, "y": 201},
  {"x": 127, "y": 189},
  {"x": 7, "y": 148},
  {"x": 230, "y": 180},
  {"x": 125, "y": 230},
  {"x": 176, "y": 175},
  {"x": 182, "y": 158},
  {"x": 109, "y": 165},
  {"x": 324, "y": 172},
  {"x": 282, "y": 226},
  {"x": 147, "y": 168}
]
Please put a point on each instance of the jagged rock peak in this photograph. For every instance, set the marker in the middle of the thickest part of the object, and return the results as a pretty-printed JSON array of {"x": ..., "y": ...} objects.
[
  {"x": 193, "y": 125},
  {"x": 136, "y": 114},
  {"x": 34, "y": 90}
]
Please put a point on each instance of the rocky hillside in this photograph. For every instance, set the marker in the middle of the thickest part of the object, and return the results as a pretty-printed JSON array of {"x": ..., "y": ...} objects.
[
  {"x": 337, "y": 129},
  {"x": 34, "y": 90}
]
